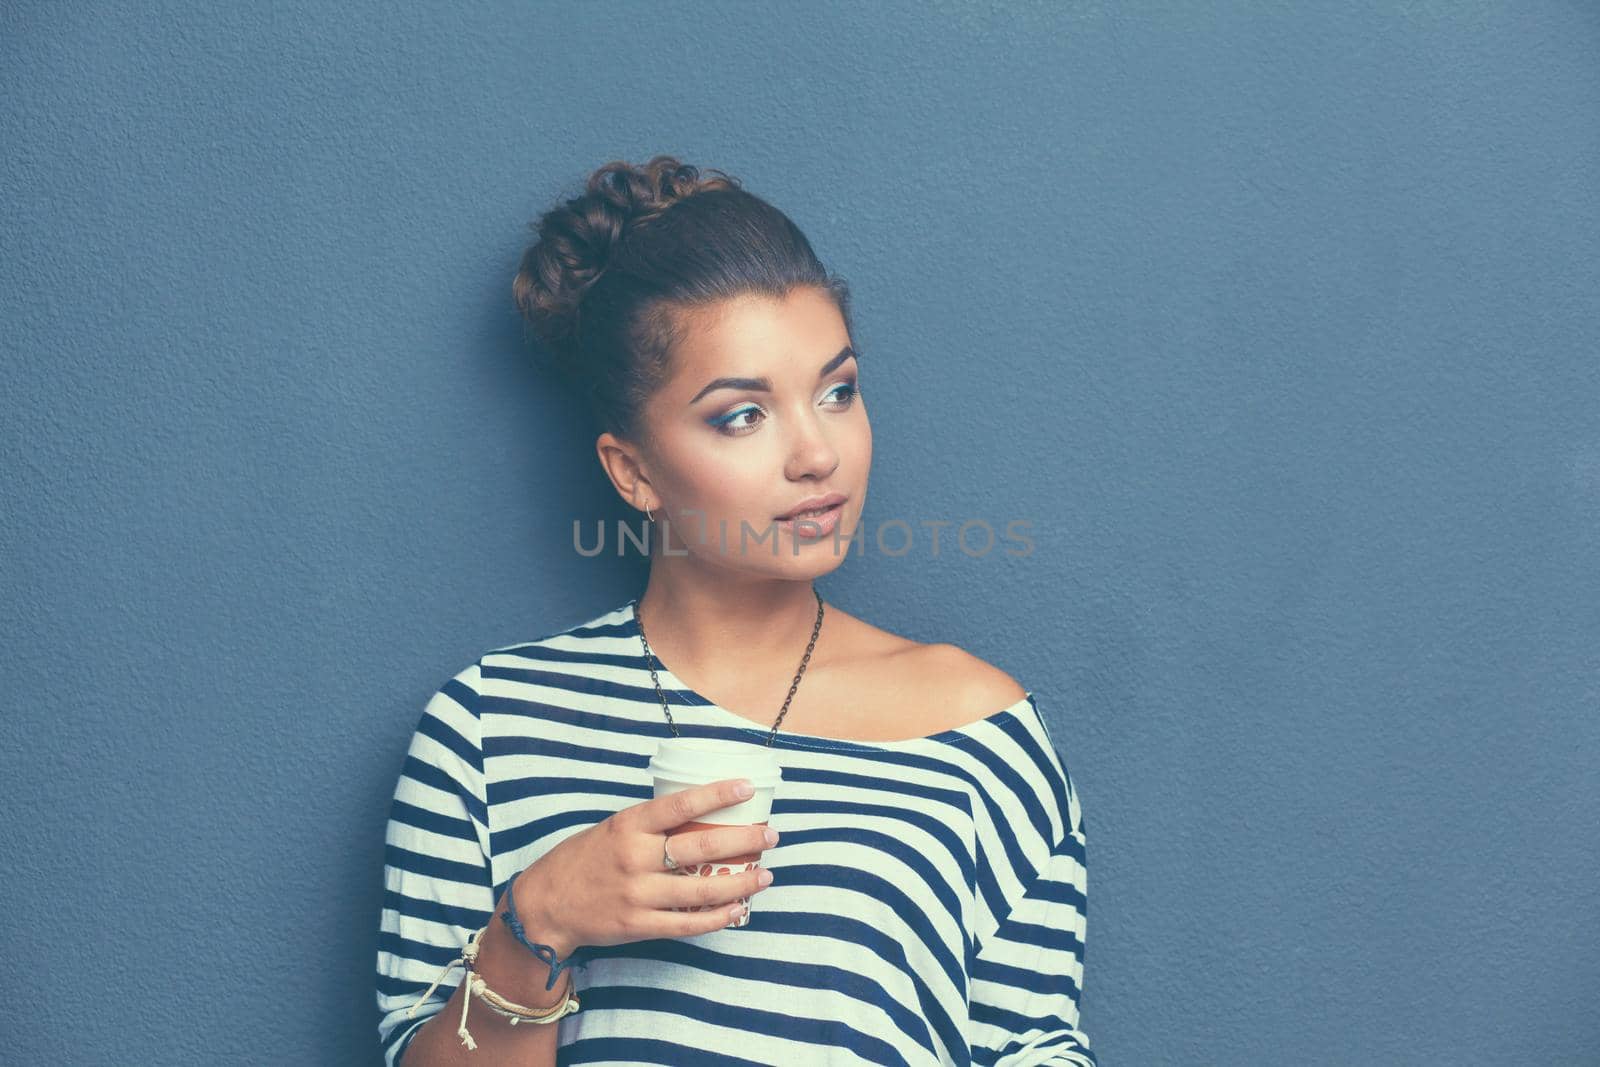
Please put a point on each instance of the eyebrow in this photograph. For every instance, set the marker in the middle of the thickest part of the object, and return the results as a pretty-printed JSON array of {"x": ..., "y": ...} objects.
[{"x": 764, "y": 385}]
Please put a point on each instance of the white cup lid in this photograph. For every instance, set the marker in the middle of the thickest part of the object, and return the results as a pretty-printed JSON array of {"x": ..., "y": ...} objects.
[{"x": 698, "y": 760}]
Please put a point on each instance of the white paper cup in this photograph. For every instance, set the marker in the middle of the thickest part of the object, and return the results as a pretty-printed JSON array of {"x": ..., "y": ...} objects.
[{"x": 685, "y": 762}]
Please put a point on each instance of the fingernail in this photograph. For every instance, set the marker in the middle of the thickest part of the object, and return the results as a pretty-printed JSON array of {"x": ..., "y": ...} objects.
[
  {"x": 764, "y": 877},
  {"x": 744, "y": 789},
  {"x": 771, "y": 836}
]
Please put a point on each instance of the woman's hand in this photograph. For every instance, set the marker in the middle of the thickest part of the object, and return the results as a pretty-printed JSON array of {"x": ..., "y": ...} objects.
[{"x": 605, "y": 885}]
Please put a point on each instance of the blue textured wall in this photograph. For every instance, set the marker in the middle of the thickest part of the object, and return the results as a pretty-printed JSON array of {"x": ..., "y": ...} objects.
[{"x": 1279, "y": 324}]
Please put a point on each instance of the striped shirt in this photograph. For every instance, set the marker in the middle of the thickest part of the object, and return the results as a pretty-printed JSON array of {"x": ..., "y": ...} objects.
[{"x": 928, "y": 895}]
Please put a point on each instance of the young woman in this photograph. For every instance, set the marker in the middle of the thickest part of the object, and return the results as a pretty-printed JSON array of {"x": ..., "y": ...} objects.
[{"x": 926, "y": 902}]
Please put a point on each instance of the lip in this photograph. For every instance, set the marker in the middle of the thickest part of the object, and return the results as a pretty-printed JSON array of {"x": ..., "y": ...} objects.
[
  {"x": 813, "y": 528},
  {"x": 827, "y": 500}
]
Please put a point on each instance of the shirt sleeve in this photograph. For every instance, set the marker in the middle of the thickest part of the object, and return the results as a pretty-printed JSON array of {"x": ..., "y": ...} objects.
[
  {"x": 1027, "y": 980},
  {"x": 437, "y": 886}
]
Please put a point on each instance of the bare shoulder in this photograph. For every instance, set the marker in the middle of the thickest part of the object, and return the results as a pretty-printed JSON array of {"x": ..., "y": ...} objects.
[
  {"x": 938, "y": 681},
  {"x": 968, "y": 681}
]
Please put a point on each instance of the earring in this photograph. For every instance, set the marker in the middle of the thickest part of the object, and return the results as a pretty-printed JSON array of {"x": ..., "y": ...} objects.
[{"x": 648, "y": 515}]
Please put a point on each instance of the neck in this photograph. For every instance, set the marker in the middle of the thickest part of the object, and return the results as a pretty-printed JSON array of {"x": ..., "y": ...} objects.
[{"x": 722, "y": 635}]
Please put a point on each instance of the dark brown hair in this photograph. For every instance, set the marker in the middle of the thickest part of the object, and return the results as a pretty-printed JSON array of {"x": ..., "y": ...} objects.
[{"x": 601, "y": 286}]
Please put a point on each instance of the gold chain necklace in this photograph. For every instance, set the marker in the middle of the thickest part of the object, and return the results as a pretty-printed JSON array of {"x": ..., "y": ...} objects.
[{"x": 650, "y": 661}]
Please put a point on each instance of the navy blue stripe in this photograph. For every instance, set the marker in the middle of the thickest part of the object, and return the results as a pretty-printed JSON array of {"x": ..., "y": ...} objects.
[
  {"x": 1009, "y": 1021},
  {"x": 1049, "y": 938},
  {"x": 403, "y": 859},
  {"x": 824, "y": 1033},
  {"x": 429, "y": 775},
  {"x": 589, "y": 628},
  {"x": 434, "y": 727},
  {"x": 513, "y": 789},
  {"x": 1071, "y": 846},
  {"x": 548, "y": 654},
  {"x": 432, "y": 821},
  {"x": 589, "y": 685},
  {"x": 502, "y": 746},
  {"x": 404, "y": 1033},
  {"x": 1061, "y": 893},
  {"x": 434, "y": 911},
  {"x": 514, "y": 837},
  {"x": 643, "y": 1050},
  {"x": 410, "y": 949},
  {"x": 574, "y": 718},
  {"x": 954, "y": 798},
  {"x": 389, "y": 986},
  {"x": 461, "y": 693}
]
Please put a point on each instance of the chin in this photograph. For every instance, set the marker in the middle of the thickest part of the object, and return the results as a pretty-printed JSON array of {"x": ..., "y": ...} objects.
[{"x": 810, "y": 561}]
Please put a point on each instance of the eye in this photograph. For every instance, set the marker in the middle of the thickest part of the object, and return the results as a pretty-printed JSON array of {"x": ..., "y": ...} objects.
[
  {"x": 729, "y": 426},
  {"x": 847, "y": 392}
]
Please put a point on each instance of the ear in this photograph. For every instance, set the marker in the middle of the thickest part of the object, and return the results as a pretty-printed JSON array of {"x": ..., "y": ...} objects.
[{"x": 623, "y": 464}]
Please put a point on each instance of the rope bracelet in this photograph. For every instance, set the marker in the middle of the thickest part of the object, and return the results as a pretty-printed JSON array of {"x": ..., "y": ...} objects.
[
  {"x": 544, "y": 952},
  {"x": 476, "y": 986}
]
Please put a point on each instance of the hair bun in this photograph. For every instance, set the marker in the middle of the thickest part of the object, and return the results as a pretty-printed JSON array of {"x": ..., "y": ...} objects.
[
  {"x": 610, "y": 285},
  {"x": 579, "y": 239}
]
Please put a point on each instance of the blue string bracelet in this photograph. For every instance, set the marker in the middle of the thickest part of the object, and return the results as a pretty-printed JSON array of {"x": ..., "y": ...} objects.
[{"x": 544, "y": 952}]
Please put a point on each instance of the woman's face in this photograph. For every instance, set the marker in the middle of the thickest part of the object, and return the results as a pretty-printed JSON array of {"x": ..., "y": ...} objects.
[{"x": 727, "y": 457}]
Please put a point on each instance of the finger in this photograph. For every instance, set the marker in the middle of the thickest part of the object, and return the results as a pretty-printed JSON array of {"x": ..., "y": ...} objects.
[
  {"x": 648, "y": 924},
  {"x": 668, "y": 812},
  {"x": 694, "y": 847},
  {"x": 690, "y": 923},
  {"x": 705, "y": 890}
]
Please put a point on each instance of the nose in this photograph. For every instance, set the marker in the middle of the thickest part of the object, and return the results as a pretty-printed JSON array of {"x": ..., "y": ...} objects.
[{"x": 811, "y": 453}]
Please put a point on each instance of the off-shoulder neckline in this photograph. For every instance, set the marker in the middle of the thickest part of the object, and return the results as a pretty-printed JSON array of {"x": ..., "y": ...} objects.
[{"x": 670, "y": 681}]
